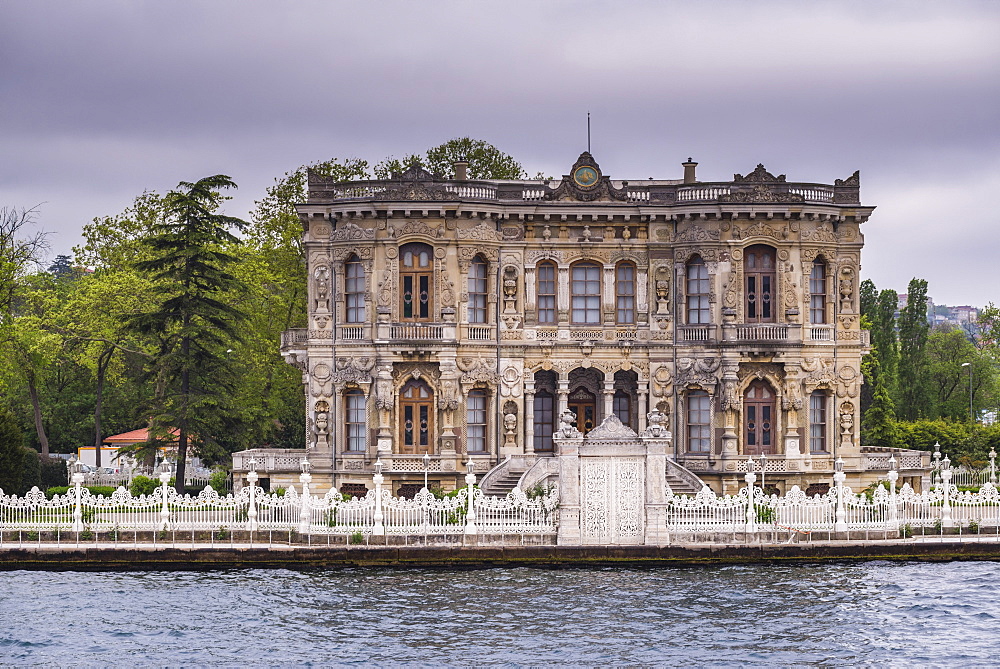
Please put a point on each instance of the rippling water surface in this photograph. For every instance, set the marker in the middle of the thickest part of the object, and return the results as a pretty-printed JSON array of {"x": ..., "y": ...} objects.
[{"x": 900, "y": 614}]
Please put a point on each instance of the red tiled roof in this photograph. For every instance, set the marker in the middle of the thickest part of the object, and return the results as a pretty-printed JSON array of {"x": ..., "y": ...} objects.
[{"x": 134, "y": 437}]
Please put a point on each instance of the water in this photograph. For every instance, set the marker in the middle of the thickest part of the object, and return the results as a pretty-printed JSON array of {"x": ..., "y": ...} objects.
[{"x": 840, "y": 614}]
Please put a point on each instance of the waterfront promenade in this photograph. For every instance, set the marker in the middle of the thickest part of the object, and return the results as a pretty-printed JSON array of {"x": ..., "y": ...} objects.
[{"x": 261, "y": 553}]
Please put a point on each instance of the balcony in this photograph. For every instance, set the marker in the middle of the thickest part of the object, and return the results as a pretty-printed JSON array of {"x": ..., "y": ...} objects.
[
  {"x": 296, "y": 338},
  {"x": 695, "y": 334}
]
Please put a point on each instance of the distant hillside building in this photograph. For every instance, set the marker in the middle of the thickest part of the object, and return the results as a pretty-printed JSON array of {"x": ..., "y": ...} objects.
[{"x": 458, "y": 320}]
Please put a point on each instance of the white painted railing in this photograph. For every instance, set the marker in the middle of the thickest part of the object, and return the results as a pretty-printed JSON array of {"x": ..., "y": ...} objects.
[
  {"x": 697, "y": 193},
  {"x": 762, "y": 332},
  {"x": 416, "y": 332},
  {"x": 481, "y": 333},
  {"x": 253, "y": 509},
  {"x": 695, "y": 333},
  {"x": 821, "y": 333},
  {"x": 884, "y": 509},
  {"x": 352, "y": 332}
]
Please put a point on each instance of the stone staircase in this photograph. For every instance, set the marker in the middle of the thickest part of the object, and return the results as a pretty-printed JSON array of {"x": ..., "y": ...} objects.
[
  {"x": 504, "y": 477},
  {"x": 682, "y": 481}
]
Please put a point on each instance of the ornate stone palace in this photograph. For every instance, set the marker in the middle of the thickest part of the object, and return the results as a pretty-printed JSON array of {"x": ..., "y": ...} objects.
[{"x": 457, "y": 320}]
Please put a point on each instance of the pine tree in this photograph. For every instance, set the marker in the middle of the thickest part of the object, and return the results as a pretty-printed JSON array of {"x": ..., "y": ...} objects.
[
  {"x": 914, "y": 394},
  {"x": 192, "y": 324},
  {"x": 878, "y": 427}
]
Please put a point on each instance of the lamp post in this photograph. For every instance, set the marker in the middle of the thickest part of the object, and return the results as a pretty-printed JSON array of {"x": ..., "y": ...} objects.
[
  {"x": 893, "y": 475},
  {"x": 304, "y": 478},
  {"x": 972, "y": 413},
  {"x": 470, "y": 516},
  {"x": 993, "y": 466},
  {"x": 77, "y": 468},
  {"x": 936, "y": 469},
  {"x": 750, "y": 478},
  {"x": 838, "y": 478},
  {"x": 427, "y": 466},
  {"x": 946, "y": 520},
  {"x": 378, "y": 527}
]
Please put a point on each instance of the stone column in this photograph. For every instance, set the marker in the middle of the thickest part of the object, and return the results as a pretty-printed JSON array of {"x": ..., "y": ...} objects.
[
  {"x": 656, "y": 481},
  {"x": 568, "y": 448},
  {"x": 563, "y": 394},
  {"x": 642, "y": 401},
  {"x": 608, "y": 299},
  {"x": 562, "y": 295},
  {"x": 609, "y": 397},
  {"x": 529, "y": 417}
]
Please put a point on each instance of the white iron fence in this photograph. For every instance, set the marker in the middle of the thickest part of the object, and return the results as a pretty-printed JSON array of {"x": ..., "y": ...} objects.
[
  {"x": 839, "y": 510},
  {"x": 253, "y": 509}
]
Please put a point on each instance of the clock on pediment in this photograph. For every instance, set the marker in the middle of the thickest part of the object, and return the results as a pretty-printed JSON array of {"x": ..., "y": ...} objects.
[{"x": 586, "y": 183}]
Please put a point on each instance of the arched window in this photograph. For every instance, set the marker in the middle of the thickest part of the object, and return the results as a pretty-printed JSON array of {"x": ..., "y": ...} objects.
[
  {"x": 817, "y": 422},
  {"x": 699, "y": 422},
  {"x": 544, "y": 412},
  {"x": 759, "y": 283},
  {"x": 477, "y": 290},
  {"x": 475, "y": 422},
  {"x": 697, "y": 292},
  {"x": 585, "y": 293},
  {"x": 354, "y": 290},
  {"x": 416, "y": 416},
  {"x": 622, "y": 406},
  {"x": 817, "y": 292},
  {"x": 758, "y": 418},
  {"x": 546, "y": 293},
  {"x": 625, "y": 293},
  {"x": 416, "y": 273},
  {"x": 356, "y": 421}
]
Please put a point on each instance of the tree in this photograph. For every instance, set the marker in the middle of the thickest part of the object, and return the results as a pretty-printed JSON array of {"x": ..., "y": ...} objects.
[
  {"x": 192, "y": 325},
  {"x": 913, "y": 331},
  {"x": 485, "y": 160},
  {"x": 11, "y": 453},
  {"x": 20, "y": 252},
  {"x": 878, "y": 426},
  {"x": 878, "y": 311}
]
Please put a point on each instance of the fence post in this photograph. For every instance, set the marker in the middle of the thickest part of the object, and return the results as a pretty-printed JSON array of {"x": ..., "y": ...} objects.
[
  {"x": 751, "y": 516},
  {"x": 164, "y": 508},
  {"x": 252, "y": 504},
  {"x": 305, "y": 477},
  {"x": 893, "y": 475},
  {"x": 378, "y": 528},
  {"x": 470, "y": 516},
  {"x": 839, "y": 477},
  {"x": 946, "y": 520},
  {"x": 77, "y": 511}
]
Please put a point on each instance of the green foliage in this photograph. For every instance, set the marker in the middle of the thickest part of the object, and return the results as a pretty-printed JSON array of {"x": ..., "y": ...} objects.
[
  {"x": 357, "y": 537},
  {"x": 878, "y": 426},
  {"x": 539, "y": 490},
  {"x": 906, "y": 531},
  {"x": 53, "y": 473},
  {"x": 914, "y": 391},
  {"x": 105, "y": 490},
  {"x": 11, "y": 454},
  {"x": 143, "y": 485},
  {"x": 485, "y": 160},
  {"x": 765, "y": 514},
  {"x": 947, "y": 350},
  {"x": 219, "y": 481},
  {"x": 191, "y": 322}
]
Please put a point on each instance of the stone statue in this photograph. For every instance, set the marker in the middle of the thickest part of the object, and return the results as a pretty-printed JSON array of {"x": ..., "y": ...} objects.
[
  {"x": 566, "y": 428},
  {"x": 658, "y": 425},
  {"x": 322, "y": 288}
]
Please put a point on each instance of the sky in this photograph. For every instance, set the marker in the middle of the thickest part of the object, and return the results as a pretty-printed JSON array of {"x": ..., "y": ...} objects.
[{"x": 102, "y": 100}]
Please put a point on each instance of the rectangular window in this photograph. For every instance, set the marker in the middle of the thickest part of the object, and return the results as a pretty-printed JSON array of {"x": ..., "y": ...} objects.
[
  {"x": 475, "y": 423},
  {"x": 355, "y": 291},
  {"x": 546, "y": 294},
  {"x": 477, "y": 291},
  {"x": 625, "y": 294},
  {"x": 699, "y": 422},
  {"x": 623, "y": 408},
  {"x": 585, "y": 294},
  {"x": 697, "y": 293},
  {"x": 544, "y": 408},
  {"x": 817, "y": 423},
  {"x": 356, "y": 422},
  {"x": 817, "y": 294}
]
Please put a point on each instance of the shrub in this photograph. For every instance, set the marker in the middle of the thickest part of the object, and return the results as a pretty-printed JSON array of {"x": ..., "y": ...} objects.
[
  {"x": 219, "y": 481},
  {"x": 31, "y": 469},
  {"x": 358, "y": 537},
  {"x": 105, "y": 490},
  {"x": 143, "y": 485},
  {"x": 53, "y": 473},
  {"x": 11, "y": 458}
]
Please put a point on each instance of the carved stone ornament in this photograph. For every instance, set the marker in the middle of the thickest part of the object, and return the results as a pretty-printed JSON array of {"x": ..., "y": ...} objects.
[
  {"x": 697, "y": 371},
  {"x": 658, "y": 425},
  {"x": 696, "y": 233},
  {"x": 482, "y": 233},
  {"x": 414, "y": 228},
  {"x": 478, "y": 370},
  {"x": 759, "y": 176},
  {"x": 760, "y": 193},
  {"x": 448, "y": 398},
  {"x": 823, "y": 232},
  {"x": 354, "y": 370},
  {"x": 416, "y": 183},
  {"x": 511, "y": 383},
  {"x": 585, "y": 183},
  {"x": 352, "y": 231},
  {"x": 322, "y": 284},
  {"x": 853, "y": 180},
  {"x": 662, "y": 382},
  {"x": 566, "y": 428},
  {"x": 611, "y": 429},
  {"x": 760, "y": 229}
]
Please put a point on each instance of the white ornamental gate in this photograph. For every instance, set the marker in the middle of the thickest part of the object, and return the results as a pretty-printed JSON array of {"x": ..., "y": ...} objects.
[{"x": 612, "y": 500}]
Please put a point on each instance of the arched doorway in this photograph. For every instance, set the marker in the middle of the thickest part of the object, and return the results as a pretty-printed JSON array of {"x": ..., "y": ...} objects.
[
  {"x": 583, "y": 403},
  {"x": 758, "y": 419},
  {"x": 416, "y": 418}
]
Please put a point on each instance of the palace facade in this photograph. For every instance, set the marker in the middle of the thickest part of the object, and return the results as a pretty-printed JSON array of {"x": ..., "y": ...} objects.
[{"x": 455, "y": 320}]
